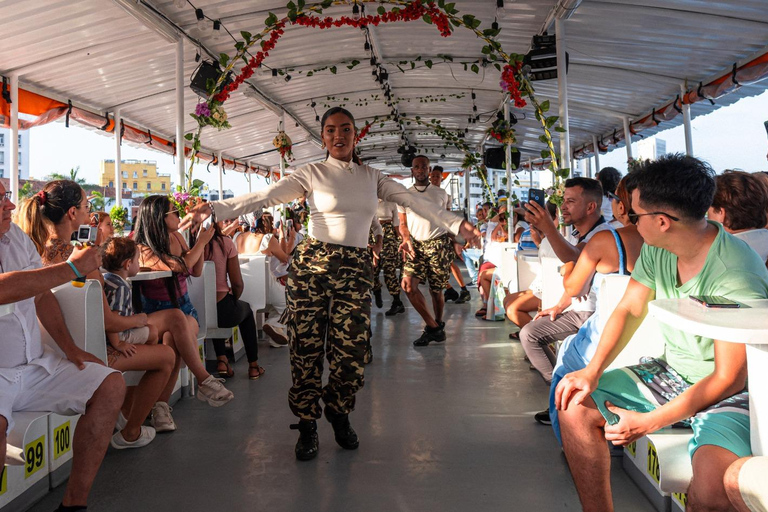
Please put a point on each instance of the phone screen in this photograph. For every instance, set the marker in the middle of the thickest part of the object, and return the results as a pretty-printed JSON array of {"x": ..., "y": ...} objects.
[{"x": 714, "y": 301}]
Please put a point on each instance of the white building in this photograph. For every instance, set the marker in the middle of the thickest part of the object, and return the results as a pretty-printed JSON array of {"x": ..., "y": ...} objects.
[
  {"x": 454, "y": 185},
  {"x": 651, "y": 149},
  {"x": 5, "y": 157}
]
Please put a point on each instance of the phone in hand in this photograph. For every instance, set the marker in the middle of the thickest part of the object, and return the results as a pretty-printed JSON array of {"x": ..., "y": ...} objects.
[
  {"x": 537, "y": 196},
  {"x": 87, "y": 234},
  {"x": 714, "y": 301},
  {"x": 207, "y": 223}
]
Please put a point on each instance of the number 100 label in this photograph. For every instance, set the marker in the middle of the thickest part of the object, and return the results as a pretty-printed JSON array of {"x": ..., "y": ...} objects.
[{"x": 62, "y": 440}]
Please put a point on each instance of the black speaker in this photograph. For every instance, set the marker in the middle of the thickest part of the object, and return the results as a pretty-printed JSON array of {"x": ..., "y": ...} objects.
[
  {"x": 494, "y": 158},
  {"x": 207, "y": 71},
  {"x": 407, "y": 156}
]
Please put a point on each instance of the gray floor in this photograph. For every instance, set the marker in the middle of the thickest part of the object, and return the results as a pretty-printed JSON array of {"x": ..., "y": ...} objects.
[{"x": 444, "y": 428}]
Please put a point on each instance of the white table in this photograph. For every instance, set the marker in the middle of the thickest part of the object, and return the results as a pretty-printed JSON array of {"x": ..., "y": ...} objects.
[
  {"x": 748, "y": 325},
  {"x": 150, "y": 275},
  {"x": 7, "y": 309}
]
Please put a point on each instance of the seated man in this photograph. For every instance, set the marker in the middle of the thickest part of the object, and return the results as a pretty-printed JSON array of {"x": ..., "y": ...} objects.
[
  {"x": 698, "y": 381},
  {"x": 33, "y": 378}
]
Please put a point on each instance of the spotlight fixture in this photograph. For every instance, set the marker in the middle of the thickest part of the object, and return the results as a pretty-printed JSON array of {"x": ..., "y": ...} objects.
[
  {"x": 542, "y": 59},
  {"x": 313, "y": 104},
  {"x": 317, "y": 118},
  {"x": 373, "y": 61},
  {"x": 216, "y": 29},
  {"x": 474, "y": 108},
  {"x": 474, "y": 96},
  {"x": 383, "y": 74},
  {"x": 495, "y": 25}
]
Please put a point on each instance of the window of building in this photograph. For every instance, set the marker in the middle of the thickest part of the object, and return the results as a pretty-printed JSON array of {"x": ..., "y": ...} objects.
[
  {"x": 144, "y": 173},
  {"x": 125, "y": 174},
  {"x": 2, "y": 157},
  {"x": 111, "y": 184},
  {"x": 2, "y": 140},
  {"x": 125, "y": 185},
  {"x": 19, "y": 157},
  {"x": 2, "y": 173},
  {"x": 149, "y": 186},
  {"x": 162, "y": 186},
  {"x": 135, "y": 174},
  {"x": 19, "y": 140},
  {"x": 135, "y": 185}
]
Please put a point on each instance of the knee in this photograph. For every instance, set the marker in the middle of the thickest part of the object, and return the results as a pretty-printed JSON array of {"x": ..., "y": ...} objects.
[
  {"x": 153, "y": 335},
  {"x": 3, "y": 428},
  {"x": 112, "y": 389},
  {"x": 731, "y": 482},
  {"x": 167, "y": 357},
  {"x": 708, "y": 496},
  {"x": 192, "y": 323},
  {"x": 406, "y": 285},
  {"x": 525, "y": 335}
]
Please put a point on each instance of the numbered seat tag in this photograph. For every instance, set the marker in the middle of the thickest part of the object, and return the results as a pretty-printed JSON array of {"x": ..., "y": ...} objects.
[
  {"x": 62, "y": 440},
  {"x": 34, "y": 456},
  {"x": 653, "y": 462}
]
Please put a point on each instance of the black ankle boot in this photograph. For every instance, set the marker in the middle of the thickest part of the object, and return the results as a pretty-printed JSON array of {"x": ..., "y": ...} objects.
[
  {"x": 377, "y": 298},
  {"x": 397, "y": 307},
  {"x": 307, "y": 445},
  {"x": 345, "y": 435}
]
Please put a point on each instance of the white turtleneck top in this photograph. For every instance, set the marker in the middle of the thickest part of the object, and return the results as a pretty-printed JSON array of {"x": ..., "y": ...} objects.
[{"x": 342, "y": 198}]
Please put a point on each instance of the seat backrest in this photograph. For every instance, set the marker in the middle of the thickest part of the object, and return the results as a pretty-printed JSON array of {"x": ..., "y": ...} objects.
[
  {"x": 84, "y": 315},
  {"x": 508, "y": 268},
  {"x": 551, "y": 282},
  {"x": 255, "y": 281},
  {"x": 527, "y": 268},
  {"x": 202, "y": 293}
]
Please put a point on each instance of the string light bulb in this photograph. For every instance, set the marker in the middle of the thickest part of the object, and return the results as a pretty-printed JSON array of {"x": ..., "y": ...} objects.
[
  {"x": 367, "y": 46},
  {"x": 500, "y": 12},
  {"x": 356, "y": 11},
  {"x": 180, "y": 4},
  {"x": 216, "y": 29},
  {"x": 202, "y": 23},
  {"x": 274, "y": 76}
]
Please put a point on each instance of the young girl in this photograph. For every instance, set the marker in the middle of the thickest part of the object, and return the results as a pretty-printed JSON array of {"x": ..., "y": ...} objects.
[
  {"x": 103, "y": 222},
  {"x": 330, "y": 278},
  {"x": 161, "y": 247}
]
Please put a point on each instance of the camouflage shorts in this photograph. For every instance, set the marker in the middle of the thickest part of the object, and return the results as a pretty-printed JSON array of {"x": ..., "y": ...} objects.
[
  {"x": 328, "y": 313},
  {"x": 432, "y": 262},
  {"x": 390, "y": 262}
]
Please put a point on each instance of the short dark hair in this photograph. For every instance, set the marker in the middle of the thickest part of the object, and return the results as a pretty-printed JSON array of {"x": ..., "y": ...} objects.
[
  {"x": 420, "y": 156},
  {"x": 744, "y": 199},
  {"x": 115, "y": 251},
  {"x": 437, "y": 168},
  {"x": 591, "y": 187},
  {"x": 609, "y": 178},
  {"x": 676, "y": 182}
]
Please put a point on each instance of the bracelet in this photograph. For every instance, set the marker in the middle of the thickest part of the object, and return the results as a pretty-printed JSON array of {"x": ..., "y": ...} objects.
[
  {"x": 213, "y": 211},
  {"x": 74, "y": 269}
]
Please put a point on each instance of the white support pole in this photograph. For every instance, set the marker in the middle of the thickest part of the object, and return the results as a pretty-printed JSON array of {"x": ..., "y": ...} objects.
[
  {"x": 562, "y": 90},
  {"x": 180, "y": 163},
  {"x": 508, "y": 165},
  {"x": 13, "y": 144},
  {"x": 249, "y": 176},
  {"x": 118, "y": 161},
  {"x": 597, "y": 154},
  {"x": 221, "y": 176},
  {"x": 627, "y": 138},
  {"x": 687, "y": 124},
  {"x": 467, "y": 176},
  {"x": 282, "y": 173}
]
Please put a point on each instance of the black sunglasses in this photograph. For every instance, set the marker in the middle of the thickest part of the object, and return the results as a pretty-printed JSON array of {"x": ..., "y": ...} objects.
[{"x": 634, "y": 217}]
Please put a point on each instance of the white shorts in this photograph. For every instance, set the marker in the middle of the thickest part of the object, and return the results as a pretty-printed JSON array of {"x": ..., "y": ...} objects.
[
  {"x": 137, "y": 336},
  {"x": 66, "y": 391},
  {"x": 753, "y": 483}
]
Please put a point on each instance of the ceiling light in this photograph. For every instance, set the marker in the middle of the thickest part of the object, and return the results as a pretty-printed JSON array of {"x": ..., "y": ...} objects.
[
  {"x": 202, "y": 23},
  {"x": 367, "y": 46},
  {"x": 216, "y": 29},
  {"x": 356, "y": 11}
]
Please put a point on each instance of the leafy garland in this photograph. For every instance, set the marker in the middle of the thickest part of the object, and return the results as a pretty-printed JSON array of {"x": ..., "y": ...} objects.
[{"x": 443, "y": 15}]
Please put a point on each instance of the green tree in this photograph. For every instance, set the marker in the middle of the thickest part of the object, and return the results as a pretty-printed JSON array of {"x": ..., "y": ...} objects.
[
  {"x": 26, "y": 190},
  {"x": 72, "y": 176},
  {"x": 98, "y": 201}
]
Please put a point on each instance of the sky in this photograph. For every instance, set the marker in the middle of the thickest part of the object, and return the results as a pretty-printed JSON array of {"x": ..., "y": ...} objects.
[{"x": 730, "y": 137}]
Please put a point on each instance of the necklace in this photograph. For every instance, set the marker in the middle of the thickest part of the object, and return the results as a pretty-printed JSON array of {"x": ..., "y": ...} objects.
[{"x": 416, "y": 188}]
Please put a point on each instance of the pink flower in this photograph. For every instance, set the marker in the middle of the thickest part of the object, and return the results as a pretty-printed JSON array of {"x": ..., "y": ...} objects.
[{"x": 202, "y": 110}]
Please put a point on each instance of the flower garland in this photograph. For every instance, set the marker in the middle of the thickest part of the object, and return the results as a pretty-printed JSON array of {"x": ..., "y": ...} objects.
[
  {"x": 502, "y": 132},
  {"x": 363, "y": 133},
  {"x": 283, "y": 144},
  {"x": 510, "y": 83}
]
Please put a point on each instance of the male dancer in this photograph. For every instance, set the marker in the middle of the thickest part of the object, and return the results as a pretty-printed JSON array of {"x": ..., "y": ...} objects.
[
  {"x": 429, "y": 254},
  {"x": 389, "y": 261}
]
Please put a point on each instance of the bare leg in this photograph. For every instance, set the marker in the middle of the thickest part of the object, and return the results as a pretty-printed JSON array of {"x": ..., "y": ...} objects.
[
  {"x": 438, "y": 305},
  {"x": 94, "y": 430},
  {"x": 184, "y": 340},
  {"x": 484, "y": 281},
  {"x": 707, "y": 490},
  {"x": 457, "y": 274},
  {"x": 731, "y": 482},
  {"x": 157, "y": 361},
  {"x": 411, "y": 287},
  {"x": 3, "y": 428},
  {"x": 517, "y": 306},
  {"x": 165, "y": 396},
  {"x": 585, "y": 448}
]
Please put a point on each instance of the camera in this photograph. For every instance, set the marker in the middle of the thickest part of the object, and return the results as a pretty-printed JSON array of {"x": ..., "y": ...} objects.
[{"x": 87, "y": 234}]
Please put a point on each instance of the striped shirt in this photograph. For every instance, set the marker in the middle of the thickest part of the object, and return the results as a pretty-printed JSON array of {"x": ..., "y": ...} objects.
[{"x": 118, "y": 293}]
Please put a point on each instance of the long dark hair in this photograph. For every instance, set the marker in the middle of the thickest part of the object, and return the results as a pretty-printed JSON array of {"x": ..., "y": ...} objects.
[
  {"x": 218, "y": 237},
  {"x": 340, "y": 110},
  {"x": 48, "y": 206},
  {"x": 150, "y": 230}
]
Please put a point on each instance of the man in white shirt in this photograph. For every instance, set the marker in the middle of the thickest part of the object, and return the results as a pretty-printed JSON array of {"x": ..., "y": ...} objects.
[
  {"x": 429, "y": 254},
  {"x": 33, "y": 377}
]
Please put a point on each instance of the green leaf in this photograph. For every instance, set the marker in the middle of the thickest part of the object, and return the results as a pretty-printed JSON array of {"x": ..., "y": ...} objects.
[
  {"x": 240, "y": 46},
  {"x": 475, "y": 23},
  {"x": 302, "y": 3},
  {"x": 310, "y": 73},
  {"x": 428, "y": 63},
  {"x": 544, "y": 153},
  {"x": 353, "y": 64},
  {"x": 455, "y": 22},
  {"x": 427, "y": 18},
  {"x": 487, "y": 50},
  {"x": 189, "y": 136},
  {"x": 223, "y": 59},
  {"x": 497, "y": 66},
  {"x": 475, "y": 68},
  {"x": 272, "y": 19},
  {"x": 559, "y": 129},
  {"x": 413, "y": 65},
  {"x": 333, "y": 69},
  {"x": 441, "y": 4},
  {"x": 550, "y": 121},
  {"x": 468, "y": 19},
  {"x": 327, "y": 3},
  {"x": 545, "y": 106},
  {"x": 291, "y": 6},
  {"x": 450, "y": 8},
  {"x": 544, "y": 139},
  {"x": 246, "y": 35},
  {"x": 381, "y": 10}
]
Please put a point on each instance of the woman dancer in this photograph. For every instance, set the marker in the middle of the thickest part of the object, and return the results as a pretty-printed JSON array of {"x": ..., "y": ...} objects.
[{"x": 330, "y": 278}]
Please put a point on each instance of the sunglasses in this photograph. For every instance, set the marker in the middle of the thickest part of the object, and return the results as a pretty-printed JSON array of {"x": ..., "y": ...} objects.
[
  {"x": 634, "y": 217},
  {"x": 6, "y": 198},
  {"x": 613, "y": 197}
]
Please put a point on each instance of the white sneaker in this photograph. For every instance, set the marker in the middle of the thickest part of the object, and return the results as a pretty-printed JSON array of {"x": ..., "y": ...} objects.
[
  {"x": 212, "y": 390},
  {"x": 145, "y": 437},
  {"x": 121, "y": 421},
  {"x": 276, "y": 338},
  {"x": 162, "y": 420}
]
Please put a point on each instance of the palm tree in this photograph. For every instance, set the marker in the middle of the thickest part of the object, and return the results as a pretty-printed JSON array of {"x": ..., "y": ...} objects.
[
  {"x": 98, "y": 201},
  {"x": 72, "y": 176}
]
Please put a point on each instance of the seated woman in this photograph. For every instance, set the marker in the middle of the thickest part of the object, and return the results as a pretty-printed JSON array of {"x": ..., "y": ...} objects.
[
  {"x": 103, "y": 223},
  {"x": 231, "y": 312},
  {"x": 166, "y": 301},
  {"x": 497, "y": 235},
  {"x": 50, "y": 218},
  {"x": 741, "y": 206},
  {"x": 608, "y": 252}
]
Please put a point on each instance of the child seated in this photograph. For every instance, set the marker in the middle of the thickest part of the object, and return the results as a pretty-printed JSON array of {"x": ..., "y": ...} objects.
[{"x": 120, "y": 258}]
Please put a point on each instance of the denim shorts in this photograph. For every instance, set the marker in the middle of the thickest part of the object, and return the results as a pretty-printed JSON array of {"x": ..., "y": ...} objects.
[{"x": 151, "y": 305}]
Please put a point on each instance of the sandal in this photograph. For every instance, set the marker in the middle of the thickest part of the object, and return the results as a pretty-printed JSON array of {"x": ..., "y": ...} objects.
[
  {"x": 481, "y": 312},
  {"x": 227, "y": 372},
  {"x": 254, "y": 372}
]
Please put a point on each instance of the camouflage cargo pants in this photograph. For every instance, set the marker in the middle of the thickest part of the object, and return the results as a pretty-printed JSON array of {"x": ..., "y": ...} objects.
[
  {"x": 329, "y": 313},
  {"x": 390, "y": 262}
]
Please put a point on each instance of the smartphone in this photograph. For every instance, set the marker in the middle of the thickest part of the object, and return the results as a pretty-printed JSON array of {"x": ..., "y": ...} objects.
[
  {"x": 537, "y": 196},
  {"x": 208, "y": 222},
  {"x": 714, "y": 301},
  {"x": 87, "y": 234},
  {"x": 289, "y": 224}
]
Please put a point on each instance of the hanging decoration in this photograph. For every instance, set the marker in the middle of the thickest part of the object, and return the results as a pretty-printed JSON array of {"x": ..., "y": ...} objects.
[
  {"x": 283, "y": 144},
  {"x": 501, "y": 131}
]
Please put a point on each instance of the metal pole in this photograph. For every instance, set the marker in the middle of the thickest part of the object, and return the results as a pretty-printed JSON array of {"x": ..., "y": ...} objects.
[
  {"x": 249, "y": 177},
  {"x": 221, "y": 176},
  {"x": 180, "y": 163},
  {"x": 118, "y": 161},
  {"x": 14, "y": 142},
  {"x": 627, "y": 138},
  {"x": 530, "y": 174},
  {"x": 597, "y": 153},
  {"x": 562, "y": 90},
  {"x": 508, "y": 162},
  {"x": 466, "y": 192},
  {"x": 687, "y": 124}
]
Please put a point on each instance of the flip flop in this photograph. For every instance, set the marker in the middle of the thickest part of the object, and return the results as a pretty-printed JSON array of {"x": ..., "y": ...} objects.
[
  {"x": 259, "y": 371},
  {"x": 481, "y": 312}
]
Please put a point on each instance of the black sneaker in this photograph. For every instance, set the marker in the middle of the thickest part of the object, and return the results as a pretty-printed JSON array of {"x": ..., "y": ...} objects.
[
  {"x": 307, "y": 446},
  {"x": 377, "y": 298},
  {"x": 368, "y": 357},
  {"x": 430, "y": 334},
  {"x": 397, "y": 307},
  {"x": 464, "y": 296},
  {"x": 543, "y": 417},
  {"x": 345, "y": 435},
  {"x": 450, "y": 294}
]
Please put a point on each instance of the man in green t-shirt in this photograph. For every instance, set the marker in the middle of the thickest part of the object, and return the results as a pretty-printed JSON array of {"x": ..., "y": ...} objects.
[{"x": 697, "y": 381}]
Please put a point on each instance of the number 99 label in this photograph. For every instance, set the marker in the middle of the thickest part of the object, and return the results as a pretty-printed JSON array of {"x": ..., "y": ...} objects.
[
  {"x": 3, "y": 481},
  {"x": 34, "y": 456}
]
